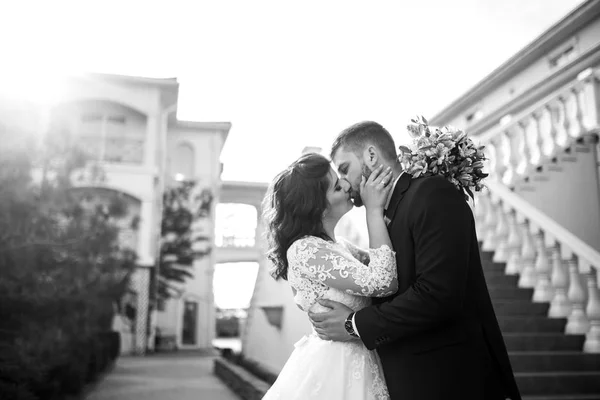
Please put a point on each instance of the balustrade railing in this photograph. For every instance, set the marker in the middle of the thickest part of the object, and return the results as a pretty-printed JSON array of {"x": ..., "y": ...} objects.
[
  {"x": 536, "y": 135},
  {"x": 561, "y": 268}
]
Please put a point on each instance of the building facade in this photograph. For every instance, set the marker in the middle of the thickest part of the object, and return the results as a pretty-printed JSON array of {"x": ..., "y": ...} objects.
[{"x": 128, "y": 126}]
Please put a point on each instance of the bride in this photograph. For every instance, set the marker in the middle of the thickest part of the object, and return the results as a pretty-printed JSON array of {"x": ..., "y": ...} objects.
[{"x": 302, "y": 207}]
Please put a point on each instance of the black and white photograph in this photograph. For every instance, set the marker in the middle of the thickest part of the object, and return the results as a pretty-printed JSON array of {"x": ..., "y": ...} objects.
[{"x": 317, "y": 200}]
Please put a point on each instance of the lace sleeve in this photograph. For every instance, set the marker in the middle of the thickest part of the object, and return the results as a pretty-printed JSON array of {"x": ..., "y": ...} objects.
[
  {"x": 360, "y": 254},
  {"x": 320, "y": 261}
]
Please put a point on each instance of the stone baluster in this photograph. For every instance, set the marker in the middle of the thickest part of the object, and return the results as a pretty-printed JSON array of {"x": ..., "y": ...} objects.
[
  {"x": 571, "y": 125},
  {"x": 528, "y": 276},
  {"x": 539, "y": 140},
  {"x": 545, "y": 128},
  {"x": 592, "y": 340},
  {"x": 560, "y": 306},
  {"x": 553, "y": 119},
  {"x": 532, "y": 136},
  {"x": 577, "y": 322},
  {"x": 499, "y": 165},
  {"x": 511, "y": 137},
  {"x": 589, "y": 101},
  {"x": 501, "y": 237},
  {"x": 524, "y": 152},
  {"x": 561, "y": 123},
  {"x": 490, "y": 222},
  {"x": 575, "y": 114},
  {"x": 513, "y": 245},
  {"x": 543, "y": 291}
]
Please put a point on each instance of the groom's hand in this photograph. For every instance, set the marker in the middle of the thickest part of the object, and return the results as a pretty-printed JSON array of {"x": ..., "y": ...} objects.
[{"x": 330, "y": 325}]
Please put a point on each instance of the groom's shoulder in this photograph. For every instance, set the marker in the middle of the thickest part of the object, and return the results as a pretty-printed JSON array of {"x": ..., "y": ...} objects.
[
  {"x": 431, "y": 190},
  {"x": 430, "y": 183}
]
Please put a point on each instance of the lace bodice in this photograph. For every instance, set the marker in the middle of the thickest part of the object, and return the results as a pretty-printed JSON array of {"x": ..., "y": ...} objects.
[{"x": 321, "y": 269}]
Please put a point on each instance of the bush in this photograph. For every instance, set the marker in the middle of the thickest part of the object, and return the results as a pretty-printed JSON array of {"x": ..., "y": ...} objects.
[{"x": 62, "y": 272}]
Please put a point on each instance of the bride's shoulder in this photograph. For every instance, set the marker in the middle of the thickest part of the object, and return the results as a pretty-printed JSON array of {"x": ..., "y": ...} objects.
[{"x": 308, "y": 242}]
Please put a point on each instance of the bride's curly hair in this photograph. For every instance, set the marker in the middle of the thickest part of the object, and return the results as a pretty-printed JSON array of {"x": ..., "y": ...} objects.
[{"x": 293, "y": 207}]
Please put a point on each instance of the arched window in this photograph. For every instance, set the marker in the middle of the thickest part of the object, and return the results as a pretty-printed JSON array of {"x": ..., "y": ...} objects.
[{"x": 183, "y": 162}]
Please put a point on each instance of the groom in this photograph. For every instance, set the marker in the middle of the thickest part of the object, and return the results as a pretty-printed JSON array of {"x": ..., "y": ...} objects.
[{"x": 437, "y": 337}]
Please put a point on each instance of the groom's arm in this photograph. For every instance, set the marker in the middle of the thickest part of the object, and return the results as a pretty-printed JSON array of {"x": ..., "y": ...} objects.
[{"x": 442, "y": 228}]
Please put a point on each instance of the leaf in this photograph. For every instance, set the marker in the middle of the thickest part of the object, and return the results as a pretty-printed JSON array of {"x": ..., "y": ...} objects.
[
  {"x": 469, "y": 192},
  {"x": 404, "y": 149}
]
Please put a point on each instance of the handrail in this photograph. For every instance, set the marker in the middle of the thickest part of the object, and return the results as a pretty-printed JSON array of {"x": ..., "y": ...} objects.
[{"x": 566, "y": 238}]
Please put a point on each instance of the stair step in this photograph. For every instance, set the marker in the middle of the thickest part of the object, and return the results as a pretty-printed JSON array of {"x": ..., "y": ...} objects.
[
  {"x": 489, "y": 266},
  {"x": 558, "y": 383},
  {"x": 543, "y": 342},
  {"x": 573, "y": 361},
  {"x": 502, "y": 280},
  {"x": 493, "y": 272},
  {"x": 503, "y": 293},
  {"x": 527, "y": 324},
  {"x": 520, "y": 308},
  {"x": 564, "y": 397},
  {"x": 486, "y": 255}
]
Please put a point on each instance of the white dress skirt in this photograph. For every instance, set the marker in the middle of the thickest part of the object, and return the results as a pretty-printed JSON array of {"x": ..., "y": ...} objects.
[{"x": 322, "y": 369}]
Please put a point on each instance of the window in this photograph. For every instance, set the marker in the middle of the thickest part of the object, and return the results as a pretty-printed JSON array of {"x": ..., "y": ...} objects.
[
  {"x": 183, "y": 162},
  {"x": 474, "y": 115},
  {"x": 107, "y": 138},
  {"x": 563, "y": 54},
  {"x": 563, "y": 57}
]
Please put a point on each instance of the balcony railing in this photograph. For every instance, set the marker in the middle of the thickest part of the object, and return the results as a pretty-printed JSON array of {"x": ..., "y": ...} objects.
[
  {"x": 237, "y": 241},
  {"x": 533, "y": 137}
]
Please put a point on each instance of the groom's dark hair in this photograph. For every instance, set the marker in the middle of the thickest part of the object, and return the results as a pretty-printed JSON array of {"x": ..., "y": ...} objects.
[{"x": 362, "y": 134}]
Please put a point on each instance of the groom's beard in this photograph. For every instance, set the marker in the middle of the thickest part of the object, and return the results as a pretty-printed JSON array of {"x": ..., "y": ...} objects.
[{"x": 357, "y": 200}]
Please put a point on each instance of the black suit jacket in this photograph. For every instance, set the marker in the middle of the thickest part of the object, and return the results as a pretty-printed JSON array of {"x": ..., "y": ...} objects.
[{"x": 438, "y": 336}]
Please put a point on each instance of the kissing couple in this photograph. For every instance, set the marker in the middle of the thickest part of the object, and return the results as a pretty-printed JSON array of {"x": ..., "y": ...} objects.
[{"x": 409, "y": 318}]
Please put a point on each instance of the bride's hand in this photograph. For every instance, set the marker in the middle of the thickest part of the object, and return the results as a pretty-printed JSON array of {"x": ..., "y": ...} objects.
[{"x": 375, "y": 190}]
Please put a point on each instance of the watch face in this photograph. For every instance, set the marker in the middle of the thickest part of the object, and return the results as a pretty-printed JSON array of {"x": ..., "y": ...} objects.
[{"x": 349, "y": 328}]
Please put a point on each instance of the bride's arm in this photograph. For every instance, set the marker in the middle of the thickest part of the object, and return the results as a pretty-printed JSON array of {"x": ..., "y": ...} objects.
[
  {"x": 378, "y": 233},
  {"x": 374, "y": 192},
  {"x": 359, "y": 253},
  {"x": 321, "y": 261}
]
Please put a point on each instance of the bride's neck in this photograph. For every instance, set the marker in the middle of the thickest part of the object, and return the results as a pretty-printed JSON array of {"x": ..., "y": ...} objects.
[{"x": 329, "y": 227}]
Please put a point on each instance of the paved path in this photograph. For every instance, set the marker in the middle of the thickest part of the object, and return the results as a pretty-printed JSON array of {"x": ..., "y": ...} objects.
[{"x": 177, "y": 376}]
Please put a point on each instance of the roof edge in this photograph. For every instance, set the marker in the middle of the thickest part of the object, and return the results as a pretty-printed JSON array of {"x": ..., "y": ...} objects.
[{"x": 572, "y": 22}]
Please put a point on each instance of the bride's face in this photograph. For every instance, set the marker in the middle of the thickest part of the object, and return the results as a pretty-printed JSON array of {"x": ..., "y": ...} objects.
[
  {"x": 351, "y": 169},
  {"x": 338, "y": 196}
]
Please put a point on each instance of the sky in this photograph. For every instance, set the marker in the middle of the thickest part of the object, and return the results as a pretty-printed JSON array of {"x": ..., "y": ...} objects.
[{"x": 286, "y": 74}]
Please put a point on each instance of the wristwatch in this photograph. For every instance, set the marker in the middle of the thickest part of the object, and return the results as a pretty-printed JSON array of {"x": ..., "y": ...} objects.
[{"x": 349, "y": 327}]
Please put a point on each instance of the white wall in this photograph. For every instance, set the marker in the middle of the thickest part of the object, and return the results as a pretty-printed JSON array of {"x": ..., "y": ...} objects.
[
  {"x": 571, "y": 196},
  {"x": 263, "y": 342}
]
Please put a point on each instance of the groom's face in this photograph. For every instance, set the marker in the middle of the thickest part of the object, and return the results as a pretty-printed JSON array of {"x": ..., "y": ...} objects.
[{"x": 351, "y": 167}]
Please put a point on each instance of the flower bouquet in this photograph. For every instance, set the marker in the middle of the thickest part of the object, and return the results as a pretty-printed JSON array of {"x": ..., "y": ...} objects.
[{"x": 444, "y": 151}]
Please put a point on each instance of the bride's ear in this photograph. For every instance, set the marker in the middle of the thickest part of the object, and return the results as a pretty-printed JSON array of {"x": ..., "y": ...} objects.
[{"x": 371, "y": 157}]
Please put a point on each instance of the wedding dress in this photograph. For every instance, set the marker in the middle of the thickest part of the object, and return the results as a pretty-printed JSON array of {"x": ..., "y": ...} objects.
[{"x": 323, "y": 369}]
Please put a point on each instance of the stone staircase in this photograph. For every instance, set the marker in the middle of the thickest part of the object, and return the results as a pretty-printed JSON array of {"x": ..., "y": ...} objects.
[{"x": 548, "y": 364}]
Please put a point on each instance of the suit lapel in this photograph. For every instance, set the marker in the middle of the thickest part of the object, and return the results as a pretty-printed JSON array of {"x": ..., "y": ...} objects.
[{"x": 397, "y": 195}]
